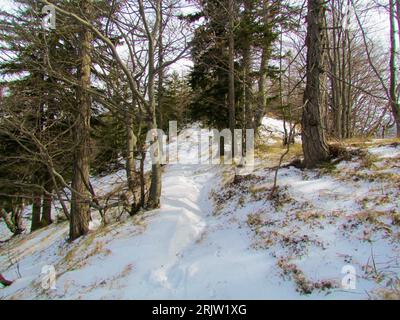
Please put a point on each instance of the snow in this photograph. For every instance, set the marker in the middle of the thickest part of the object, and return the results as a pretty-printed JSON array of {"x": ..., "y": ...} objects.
[
  {"x": 213, "y": 239},
  {"x": 4, "y": 232},
  {"x": 273, "y": 130},
  {"x": 386, "y": 151}
]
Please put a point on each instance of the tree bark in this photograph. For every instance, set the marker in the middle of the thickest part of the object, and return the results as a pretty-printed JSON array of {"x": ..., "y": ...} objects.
[
  {"x": 46, "y": 205},
  {"x": 231, "y": 73},
  {"x": 346, "y": 72},
  {"x": 336, "y": 68},
  {"x": 160, "y": 73},
  {"x": 262, "y": 81},
  {"x": 142, "y": 179},
  {"x": 262, "y": 92},
  {"x": 80, "y": 210},
  {"x": 394, "y": 103},
  {"x": 349, "y": 68},
  {"x": 155, "y": 185},
  {"x": 17, "y": 219},
  {"x": 247, "y": 79},
  {"x": 315, "y": 147},
  {"x": 36, "y": 207},
  {"x": 46, "y": 211},
  {"x": 130, "y": 150},
  {"x": 10, "y": 225}
]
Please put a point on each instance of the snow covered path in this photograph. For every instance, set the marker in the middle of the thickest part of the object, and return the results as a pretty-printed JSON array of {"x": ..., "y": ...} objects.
[
  {"x": 188, "y": 253},
  {"x": 202, "y": 257},
  {"x": 174, "y": 230},
  {"x": 181, "y": 251},
  {"x": 215, "y": 240}
]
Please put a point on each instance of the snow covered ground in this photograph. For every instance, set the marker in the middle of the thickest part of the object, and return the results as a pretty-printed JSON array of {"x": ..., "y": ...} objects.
[
  {"x": 219, "y": 238},
  {"x": 273, "y": 130}
]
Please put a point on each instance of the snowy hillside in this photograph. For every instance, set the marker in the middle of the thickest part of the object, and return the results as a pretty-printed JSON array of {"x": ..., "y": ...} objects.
[{"x": 219, "y": 238}]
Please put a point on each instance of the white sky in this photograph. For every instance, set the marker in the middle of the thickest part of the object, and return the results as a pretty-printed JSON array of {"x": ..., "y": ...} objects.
[
  {"x": 6, "y": 4},
  {"x": 378, "y": 27}
]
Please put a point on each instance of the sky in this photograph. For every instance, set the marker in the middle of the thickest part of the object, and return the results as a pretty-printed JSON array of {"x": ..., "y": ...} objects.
[
  {"x": 6, "y": 4},
  {"x": 380, "y": 21},
  {"x": 378, "y": 28}
]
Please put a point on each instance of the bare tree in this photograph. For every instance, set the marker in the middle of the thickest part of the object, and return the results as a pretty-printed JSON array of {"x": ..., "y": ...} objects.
[
  {"x": 80, "y": 209},
  {"x": 394, "y": 99},
  {"x": 389, "y": 90},
  {"x": 231, "y": 72},
  {"x": 315, "y": 147},
  {"x": 139, "y": 26}
]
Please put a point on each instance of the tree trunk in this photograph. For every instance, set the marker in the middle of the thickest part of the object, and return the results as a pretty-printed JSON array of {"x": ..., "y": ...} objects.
[
  {"x": 247, "y": 79},
  {"x": 142, "y": 179},
  {"x": 343, "y": 76},
  {"x": 231, "y": 73},
  {"x": 262, "y": 81},
  {"x": 315, "y": 147},
  {"x": 160, "y": 73},
  {"x": 130, "y": 150},
  {"x": 47, "y": 200},
  {"x": 395, "y": 106},
  {"x": 10, "y": 225},
  {"x": 39, "y": 174},
  {"x": 346, "y": 72},
  {"x": 349, "y": 78},
  {"x": 262, "y": 92},
  {"x": 80, "y": 210},
  {"x": 155, "y": 186},
  {"x": 336, "y": 68},
  {"x": 280, "y": 82},
  {"x": 46, "y": 211},
  {"x": 36, "y": 207},
  {"x": 17, "y": 219}
]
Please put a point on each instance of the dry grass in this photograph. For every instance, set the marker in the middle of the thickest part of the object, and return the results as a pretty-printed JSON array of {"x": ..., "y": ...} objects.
[
  {"x": 388, "y": 293},
  {"x": 254, "y": 221},
  {"x": 306, "y": 216},
  {"x": 280, "y": 232},
  {"x": 80, "y": 254},
  {"x": 272, "y": 152},
  {"x": 126, "y": 271},
  {"x": 303, "y": 285},
  {"x": 370, "y": 222},
  {"x": 365, "y": 142}
]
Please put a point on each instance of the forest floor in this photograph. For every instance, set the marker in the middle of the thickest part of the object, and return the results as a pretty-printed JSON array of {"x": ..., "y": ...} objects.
[{"x": 216, "y": 237}]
